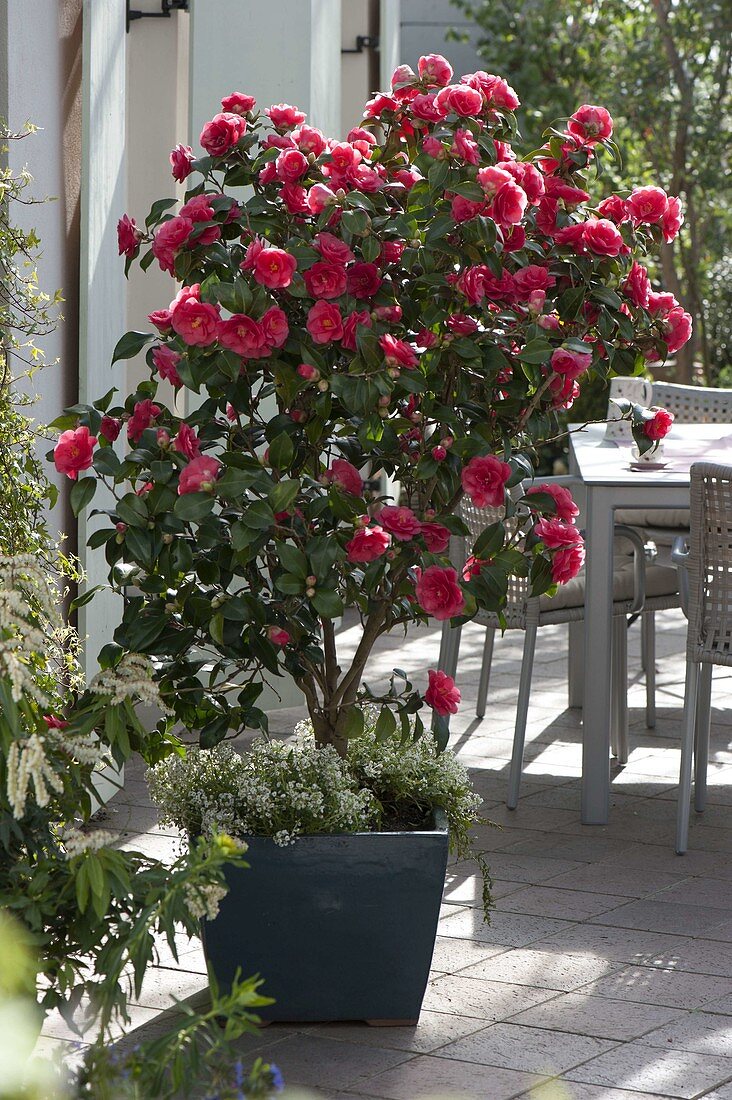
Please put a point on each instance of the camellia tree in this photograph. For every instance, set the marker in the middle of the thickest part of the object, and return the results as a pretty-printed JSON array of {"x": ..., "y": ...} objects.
[{"x": 416, "y": 300}]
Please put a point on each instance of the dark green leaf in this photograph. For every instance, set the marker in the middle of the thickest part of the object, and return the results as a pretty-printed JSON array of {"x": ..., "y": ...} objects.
[
  {"x": 82, "y": 493},
  {"x": 130, "y": 344}
]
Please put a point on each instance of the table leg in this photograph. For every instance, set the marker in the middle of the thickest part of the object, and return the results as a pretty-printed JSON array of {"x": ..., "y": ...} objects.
[{"x": 598, "y": 645}]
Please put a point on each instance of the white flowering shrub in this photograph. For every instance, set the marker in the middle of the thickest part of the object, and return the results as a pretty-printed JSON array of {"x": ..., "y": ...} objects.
[{"x": 285, "y": 790}]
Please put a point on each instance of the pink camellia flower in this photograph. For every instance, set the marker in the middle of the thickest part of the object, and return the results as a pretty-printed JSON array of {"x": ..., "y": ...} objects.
[
  {"x": 566, "y": 563},
  {"x": 465, "y": 147},
  {"x": 333, "y": 249},
  {"x": 591, "y": 124},
  {"x": 343, "y": 156},
  {"x": 278, "y": 636},
  {"x": 436, "y": 535},
  {"x": 497, "y": 92},
  {"x": 429, "y": 109},
  {"x": 53, "y": 722},
  {"x": 461, "y": 99},
  {"x": 484, "y": 480},
  {"x": 128, "y": 237},
  {"x": 162, "y": 437},
  {"x": 110, "y": 428},
  {"x": 463, "y": 209},
  {"x": 392, "y": 314},
  {"x": 526, "y": 176},
  {"x": 661, "y": 303},
  {"x": 238, "y": 103},
  {"x": 492, "y": 179},
  {"x": 380, "y": 103},
  {"x": 391, "y": 251},
  {"x": 199, "y": 209},
  {"x": 461, "y": 325},
  {"x": 254, "y": 248},
  {"x": 397, "y": 353},
  {"x": 566, "y": 507},
  {"x": 661, "y": 424},
  {"x": 325, "y": 280},
  {"x": 570, "y": 364},
  {"x": 557, "y": 188},
  {"x": 363, "y": 280},
  {"x": 308, "y": 372},
  {"x": 647, "y": 204},
  {"x": 403, "y": 74},
  {"x": 367, "y": 544},
  {"x": 199, "y": 476},
  {"x": 143, "y": 415},
  {"x": 274, "y": 268},
  {"x": 324, "y": 322},
  {"x": 442, "y": 695},
  {"x": 426, "y": 338},
  {"x": 677, "y": 326},
  {"x": 637, "y": 286},
  {"x": 310, "y": 140},
  {"x": 295, "y": 198},
  {"x": 602, "y": 237},
  {"x": 672, "y": 220},
  {"x": 439, "y": 593},
  {"x": 222, "y": 133},
  {"x": 196, "y": 322},
  {"x": 344, "y": 474},
  {"x": 320, "y": 196},
  {"x": 434, "y": 70},
  {"x": 243, "y": 335},
  {"x": 399, "y": 522},
  {"x": 168, "y": 241},
  {"x": 350, "y": 326},
  {"x": 74, "y": 451},
  {"x": 187, "y": 442},
  {"x": 166, "y": 362},
  {"x": 555, "y": 533},
  {"x": 275, "y": 326},
  {"x": 509, "y": 205},
  {"x": 181, "y": 161},
  {"x": 531, "y": 277},
  {"x": 614, "y": 208},
  {"x": 291, "y": 165},
  {"x": 161, "y": 319},
  {"x": 535, "y": 301},
  {"x": 285, "y": 117}
]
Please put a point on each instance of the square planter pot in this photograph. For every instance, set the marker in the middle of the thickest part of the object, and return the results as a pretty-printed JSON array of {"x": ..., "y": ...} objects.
[{"x": 339, "y": 927}]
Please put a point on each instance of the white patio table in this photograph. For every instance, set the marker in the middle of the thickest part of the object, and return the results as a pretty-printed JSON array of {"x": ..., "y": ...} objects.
[{"x": 612, "y": 481}]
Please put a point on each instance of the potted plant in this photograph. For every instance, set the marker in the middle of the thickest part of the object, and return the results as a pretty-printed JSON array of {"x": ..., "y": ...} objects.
[{"x": 414, "y": 301}]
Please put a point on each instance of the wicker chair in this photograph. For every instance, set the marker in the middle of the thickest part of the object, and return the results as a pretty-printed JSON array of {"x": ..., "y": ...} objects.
[
  {"x": 635, "y": 583},
  {"x": 706, "y": 587}
]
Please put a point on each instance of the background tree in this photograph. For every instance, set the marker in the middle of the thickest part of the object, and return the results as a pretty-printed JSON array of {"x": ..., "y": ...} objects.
[{"x": 662, "y": 68}]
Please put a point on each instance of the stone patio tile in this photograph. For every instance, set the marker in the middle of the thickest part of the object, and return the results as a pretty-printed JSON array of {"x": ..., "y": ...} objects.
[
  {"x": 519, "y": 867},
  {"x": 724, "y": 1092},
  {"x": 599, "y": 1016},
  {"x": 670, "y": 1072},
  {"x": 673, "y": 988},
  {"x": 714, "y": 893},
  {"x": 699, "y": 956},
  {"x": 530, "y": 815},
  {"x": 701, "y": 1032},
  {"x": 540, "y": 969},
  {"x": 514, "y": 929},
  {"x": 564, "y": 904},
  {"x": 455, "y": 954},
  {"x": 721, "y": 931},
  {"x": 435, "y": 1030},
  {"x": 587, "y": 847},
  {"x": 481, "y": 999},
  {"x": 315, "y": 1061},
  {"x": 427, "y": 1077},
  {"x": 512, "y": 1046},
  {"x": 649, "y": 915},
  {"x": 614, "y": 879},
  {"x": 562, "y": 1089}
]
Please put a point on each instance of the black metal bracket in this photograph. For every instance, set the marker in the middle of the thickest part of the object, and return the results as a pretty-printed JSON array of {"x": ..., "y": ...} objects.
[
  {"x": 364, "y": 42},
  {"x": 166, "y": 7}
]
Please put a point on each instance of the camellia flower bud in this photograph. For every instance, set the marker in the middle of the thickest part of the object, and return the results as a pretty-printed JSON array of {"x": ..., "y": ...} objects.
[
  {"x": 323, "y": 386},
  {"x": 308, "y": 372},
  {"x": 393, "y": 372},
  {"x": 121, "y": 527},
  {"x": 163, "y": 439},
  {"x": 439, "y": 454},
  {"x": 298, "y": 415},
  {"x": 167, "y": 538},
  {"x": 311, "y": 581},
  {"x": 310, "y": 592}
]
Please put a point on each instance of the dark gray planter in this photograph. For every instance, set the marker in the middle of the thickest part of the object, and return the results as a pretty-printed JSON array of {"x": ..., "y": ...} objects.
[{"x": 339, "y": 927}]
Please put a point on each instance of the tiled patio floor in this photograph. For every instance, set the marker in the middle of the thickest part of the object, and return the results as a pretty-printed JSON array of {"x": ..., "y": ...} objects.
[{"x": 606, "y": 971}]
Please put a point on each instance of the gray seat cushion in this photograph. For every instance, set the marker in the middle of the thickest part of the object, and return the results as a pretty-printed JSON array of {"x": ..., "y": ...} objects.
[
  {"x": 654, "y": 517},
  {"x": 660, "y": 581}
]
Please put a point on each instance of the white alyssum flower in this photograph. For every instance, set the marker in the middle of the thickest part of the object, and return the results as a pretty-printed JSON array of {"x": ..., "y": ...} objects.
[{"x": 131, "y": 679}]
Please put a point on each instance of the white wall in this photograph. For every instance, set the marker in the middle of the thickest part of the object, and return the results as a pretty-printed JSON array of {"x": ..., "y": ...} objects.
[
  {"x": 40, "y": 69},
  {"x": 424, "y": 24}
]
